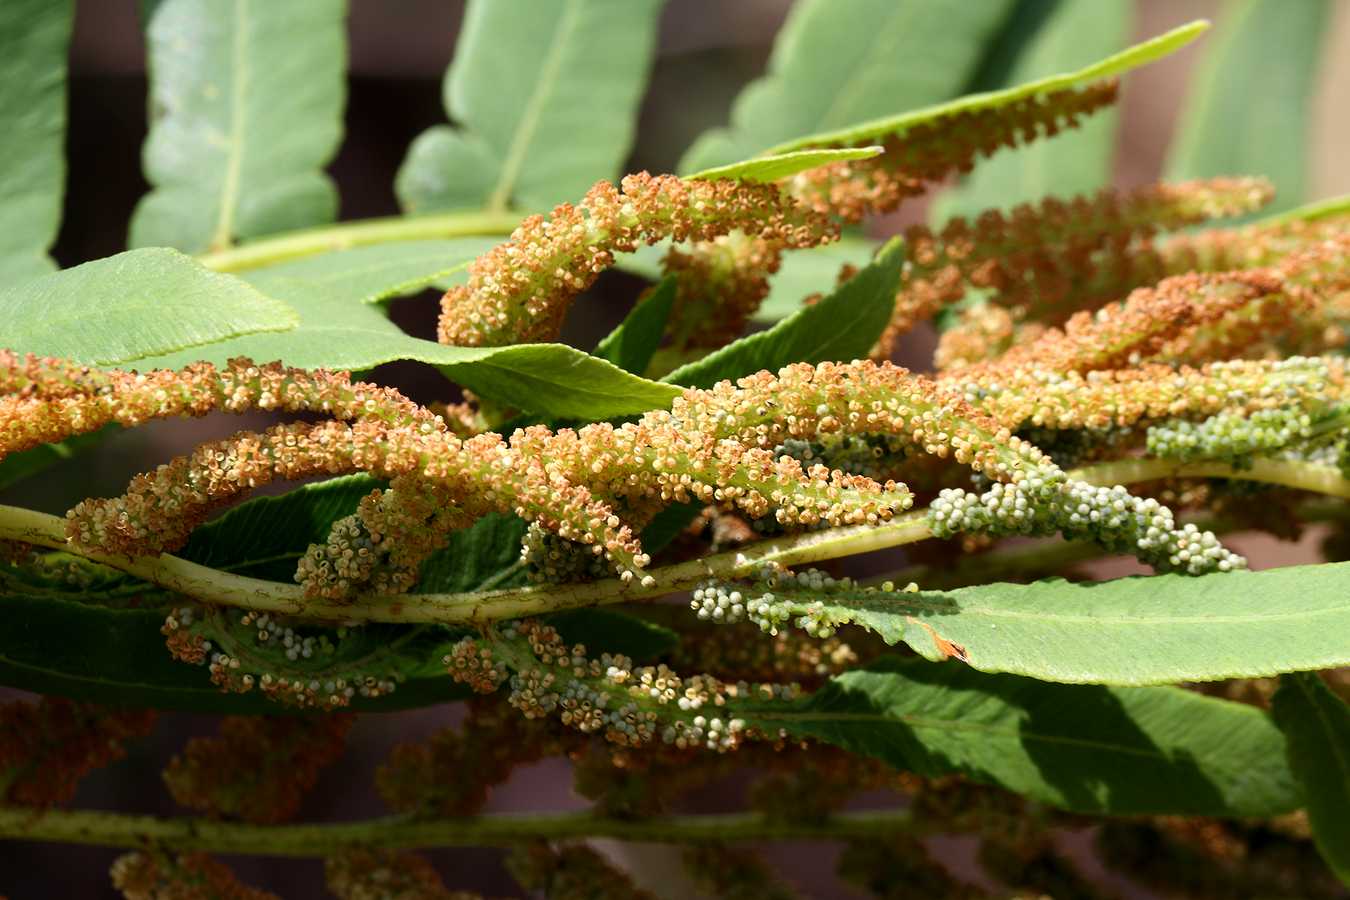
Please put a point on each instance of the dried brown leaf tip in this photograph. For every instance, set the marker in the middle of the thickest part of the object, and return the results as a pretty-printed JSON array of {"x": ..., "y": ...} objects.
[
  {"x": 192, "y": 876},
  {"x": 257, "y": 768},
  {"x": 48, "y": 746},
  {"x": 361, "y": 874}
]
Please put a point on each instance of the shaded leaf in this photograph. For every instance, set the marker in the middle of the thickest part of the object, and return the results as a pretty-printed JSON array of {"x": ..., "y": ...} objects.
[
  {"x": 1076, "y": 161},
  {"x": 34, "y": 35},
  {"x": 1316, "y": 726},
  {"x": 784, "y": 165},
  {"x": 545, "y": 96},
  {"x": 837, "y": 62},
  {"x": 134, "y": 305},
  {"x": 878, "y": 130},
  {"x": 843, "y": 326},
  {"x": 812, "y": 271},
  {"x": 610, "y": 631},
  {"x": 632, "y": 344},
  {"x": 1139, "y": 630},
  {"x": 18, "y": 466},
  {"x": 1090, "y": 749},
  {"x": 246, "y": 108},
  {"x": 1243, "y": 116}
]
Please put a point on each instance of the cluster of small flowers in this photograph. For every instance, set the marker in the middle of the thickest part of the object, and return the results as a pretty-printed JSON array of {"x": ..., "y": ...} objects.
[
  {"x": 362, "y": 873},
  {"x": 1111, "y": 516},
  {"x": 267, "y": 654},
  {"x": 720, "y": 285},
  {"x": 933, "y": 150},
  {"x": 1041, "y": 257},
  {"x": 551, "y": 560},
  {"x": 1236, "y": 438},
  {"x": 734, "y": 874},
  {"x": 605, "y": 695},
  {"x": 154, "y": 875},
  {"x": 48, "y": 746},
  {"x": 519, "y": 291},
  {"x": 573, "y": 872},
  {"x": 257, "y": 768}
]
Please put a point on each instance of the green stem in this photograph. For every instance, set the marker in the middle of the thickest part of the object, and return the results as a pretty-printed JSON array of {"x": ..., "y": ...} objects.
[
  {"x": 107, "y": 829},
  {"x": 480, "y": 607},
  {"x": 345, "y": 235}
]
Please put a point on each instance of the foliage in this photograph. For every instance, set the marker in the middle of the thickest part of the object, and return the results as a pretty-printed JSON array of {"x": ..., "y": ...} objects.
[{"x": 1117, "y": 373}]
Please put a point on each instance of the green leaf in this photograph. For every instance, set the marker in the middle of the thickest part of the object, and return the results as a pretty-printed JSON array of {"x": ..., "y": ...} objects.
[
  {"x": 1312, "y": 212},
  {"x": 1077, "y": 161},
  {"x": 34, "y": 35},
  {"x": 812, "y": 271},
  {"x": 1090, "y": 749},
  {"x": 545, "y": 95},
  {"x": 134, "y": 305},
  {"x": 632, "y": 344},
  {"x": 1138, "y": 630},
  {"x": 1316, "y": 726},
  {"x": 843, "y": 326},
  {"x": 611, "y": 631},
  {"x": 340, "y": 332},
  {"x": 877, "y": 130},
  {"x": 246, "y": 110},
  {"x": 374, "y": 273},
  {"x": 837, "y": 62},
  {"x": 117, "y": 656},
  {"x": 266, "y": 536},
  {"x": 1241, "y": 117},
  {"x": 767, "y": 169}
]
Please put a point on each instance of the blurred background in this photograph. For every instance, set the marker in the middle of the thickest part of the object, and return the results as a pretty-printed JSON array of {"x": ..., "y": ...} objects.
[{"x": 398, "y": 53}]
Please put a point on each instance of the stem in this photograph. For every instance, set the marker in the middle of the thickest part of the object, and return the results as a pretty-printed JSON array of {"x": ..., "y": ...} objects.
[
  {"x": 480, "y": 607},
  {"x": 346, "y": 235},
  {"x": 108, "y": 829}
]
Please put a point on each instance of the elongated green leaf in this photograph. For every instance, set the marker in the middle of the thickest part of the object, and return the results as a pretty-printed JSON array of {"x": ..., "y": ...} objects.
[
  {"x": 1312, "y": 212},
  {"x": 375, "y": 273},
  {"x": 338, "y": 332},
  {"x": 1090, "y": 749},
  {"x": 545, "y": 96},
  {"x": 1139, "y": 630},
  {"x": 134, "y": 305},
  {"x": 784, "y": 165},
  {"x": 1242, "y": 117},
  {"x": 631, "y": 345},
  {"x": 1077, "y": 161},
  {"x": 246, "y": 107},
  {"x": 837, "y": 62},
  {"x": 843, "y": 326},
  {"x": 1316, "y": 726},
  {"x": 34, "y": 35},
  {"x": 877, "y": 130}
]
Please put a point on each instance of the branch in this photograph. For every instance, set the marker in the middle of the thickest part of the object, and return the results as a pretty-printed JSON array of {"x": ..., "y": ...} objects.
[
  {"x": 480, "y": 607},
  {"x": 345, "y": 235},
  {"x": 106, "y": 829}
]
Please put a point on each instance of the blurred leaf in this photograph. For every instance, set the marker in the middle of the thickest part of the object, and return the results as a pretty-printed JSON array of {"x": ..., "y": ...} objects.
[
  {"x": 1086, "y": 748},
  {"x": 812, "y": 271},
  {"x": 1312, "y": 212},
  {"x": 837, "y": 62},
  {"x": 34, "y": 35},
  {"x": 133, "y": 305},
  {"x": 246, "y": 109},
  {"x": 1248, "y": 111},
  {"x": 1159, "y": 629},
  {"x": 841, "y": 327},
  {"x": 631, "y": 345},
  {"x": 877, "y": 130},
  {"x": 784, "y": 165},
  {"x": 1077, "y": 161},
  {"x": 1316, "y": 725},
  {"x": 546, "y": 98}
]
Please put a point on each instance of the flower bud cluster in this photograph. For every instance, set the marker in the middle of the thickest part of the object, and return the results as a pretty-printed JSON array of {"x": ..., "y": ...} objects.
[
  {"x": 774, "y": 597},
  {"x": 154, "y": 875},
  {"x": 719, "y": 286},
  {"x": 48, "y": 746},
  {"x": 630, "y": 706},
  {"x": 519, "y": 291},
  {"x": 292, "y": 663},
  {"x": 1235, "y": 438},
  {"x": 551, "y": 560},
  {"x": 1110, "y": 516},
  {"x": 574, "y": 872},
  {"x": 257, "y": 768},
  {"x": 360, "y": 873},
  {"x": 931, "y": 151}
]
